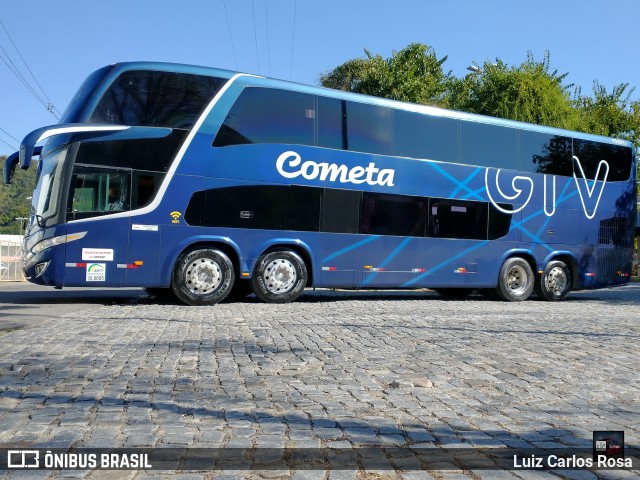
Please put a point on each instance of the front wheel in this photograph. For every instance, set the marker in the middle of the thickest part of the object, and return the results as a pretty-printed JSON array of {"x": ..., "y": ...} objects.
[
  {"x": 555, "y": 282},
  {"x": 202, "y": 277},
  {"x": 516, "y": 280},
  {"x": 279, "y": 277}
]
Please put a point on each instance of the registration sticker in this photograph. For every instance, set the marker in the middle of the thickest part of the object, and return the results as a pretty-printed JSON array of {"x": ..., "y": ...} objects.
[
  {"x": 96, "y": 272},
  {"x": 104, "y": 254},
  {"x": 144, "y": 228}
]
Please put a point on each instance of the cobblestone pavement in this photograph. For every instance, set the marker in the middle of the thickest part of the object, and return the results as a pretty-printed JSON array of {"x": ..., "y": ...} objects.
[{"x": 334, "y": 369}]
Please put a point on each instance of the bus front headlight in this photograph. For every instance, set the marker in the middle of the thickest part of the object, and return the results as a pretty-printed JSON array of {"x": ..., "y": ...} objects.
[{"x": 53, "y": 241}]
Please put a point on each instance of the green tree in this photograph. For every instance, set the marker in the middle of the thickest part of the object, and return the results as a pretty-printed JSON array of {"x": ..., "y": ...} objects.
[
  {"x": 13, "y": 199},
  {"x": 530, "y": 92},
  {"x": 414, "y": 74},
  {"x": 610, "y": 114}
]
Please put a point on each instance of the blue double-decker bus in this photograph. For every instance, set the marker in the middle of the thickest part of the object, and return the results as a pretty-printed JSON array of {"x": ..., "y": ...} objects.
[{"x": 208, "y": 184}]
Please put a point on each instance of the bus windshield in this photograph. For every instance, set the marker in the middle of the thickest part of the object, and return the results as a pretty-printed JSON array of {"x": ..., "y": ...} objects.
[
  {"x": 47, "y": 192},
  {"x": 156, "y": 99}
]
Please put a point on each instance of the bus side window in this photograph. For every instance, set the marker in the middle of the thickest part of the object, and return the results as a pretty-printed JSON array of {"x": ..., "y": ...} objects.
[
  {"x": 96, "y": 191},
  {"x": 269, "y": 115},
  {"x": 543, "y": 153},
  {"x": 490, "y": 145},
  {"x": 424, "y": 136},
  {"x": 396, "y": 215},
  {"x": 591, "y": 154},
  {"x": 458, "y": 219},
  {"x": 354, "y": 126},
  {"x": 341, "y": 211},
  {"x": 145, "y": 187}
]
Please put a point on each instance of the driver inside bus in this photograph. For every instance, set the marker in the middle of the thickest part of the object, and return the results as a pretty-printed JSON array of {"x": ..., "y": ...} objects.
[{"x": 114, "y": 201}]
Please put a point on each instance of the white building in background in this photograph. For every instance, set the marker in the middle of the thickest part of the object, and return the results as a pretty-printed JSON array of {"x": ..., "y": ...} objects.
[{"x": 10, "y": 262}]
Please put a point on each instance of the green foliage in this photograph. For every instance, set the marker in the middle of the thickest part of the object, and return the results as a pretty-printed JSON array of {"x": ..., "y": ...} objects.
[
  {"x": 413, "y": 74},
  {"x": 13, "y": 199},
  {"x": 530, "y": 92},
  {"x": 609, "y": 114}
]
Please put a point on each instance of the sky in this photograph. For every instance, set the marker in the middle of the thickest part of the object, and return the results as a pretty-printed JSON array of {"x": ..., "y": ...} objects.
[{"x": 63, "y": 41}]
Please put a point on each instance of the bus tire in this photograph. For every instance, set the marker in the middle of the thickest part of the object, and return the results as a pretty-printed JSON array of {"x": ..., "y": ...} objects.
[
  {"x": 516, "y": 280},
  {"x": 202, "y": 277},
  {"x": 279, "y": 277},
  {"x": 555, "y": 282}
]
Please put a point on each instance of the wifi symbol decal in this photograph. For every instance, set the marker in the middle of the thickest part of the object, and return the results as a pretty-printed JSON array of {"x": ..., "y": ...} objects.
[{"x": 175, "y": 217}]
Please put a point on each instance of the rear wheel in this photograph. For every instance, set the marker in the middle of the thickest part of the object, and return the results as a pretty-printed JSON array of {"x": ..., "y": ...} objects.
[
  {"x": 279, "y": 277},
  {"x": 202, "y": 277},
  {"x": 516, "y": 280},
  {"x": 555, "y": 282}
]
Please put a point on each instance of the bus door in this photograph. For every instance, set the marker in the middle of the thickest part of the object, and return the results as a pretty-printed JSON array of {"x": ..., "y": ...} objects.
[
  {"x": 144, "y": 231},
  {"x": 142, "y": 258}
]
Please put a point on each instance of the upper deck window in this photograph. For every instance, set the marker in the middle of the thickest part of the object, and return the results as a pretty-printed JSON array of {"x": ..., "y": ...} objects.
[
  {"x": 590, "y": 154},
  {"x": 156, "y": 99},
  {"x": 425, "y": 136},
  {"x": 267, "y": 115},
  {"x": 354, "y": 126},
  {"x": 491, "y": 145}
]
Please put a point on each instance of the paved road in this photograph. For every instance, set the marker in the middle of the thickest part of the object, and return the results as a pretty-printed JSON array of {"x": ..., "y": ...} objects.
[
  {"x": 334, "y": 369},
  {"x": 25, "y": 304}
]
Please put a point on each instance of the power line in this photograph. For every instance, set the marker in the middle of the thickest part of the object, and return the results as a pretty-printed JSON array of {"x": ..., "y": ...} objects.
[
  {"x": 293, "y": 36},
  {"x": 8, "y": 144},
  {"x": 233, "y": 50},
  {"x": 12, "y": 137},
  {"x": 25, "y": 64},
  {"x": 266, "y": 19},
  {"x": 255, "y": 34},
  {"x": 22, "y": 80},
  {"x": 9, "y": 135},
  {"x": 13, "y": 69},
  {"x": 46, "y": 101}
]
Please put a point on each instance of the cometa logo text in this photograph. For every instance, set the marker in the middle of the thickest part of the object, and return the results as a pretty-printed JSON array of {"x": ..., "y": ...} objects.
[{"x": 290, "y": 165}]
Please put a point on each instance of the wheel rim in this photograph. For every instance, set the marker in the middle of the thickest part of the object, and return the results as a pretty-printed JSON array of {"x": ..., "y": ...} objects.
[
  {"x": 280, "y": 275},
  {"x": 203, "y": 276},
  {"x": 557, "y": 280},
  {"x": 517, "y": 279}
]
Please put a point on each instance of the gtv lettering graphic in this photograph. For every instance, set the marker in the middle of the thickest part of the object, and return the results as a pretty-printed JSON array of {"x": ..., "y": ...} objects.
[
  {"x": 290, "y": 165},
  {"x": 523, "y": 187},
  {"x": 585, "y": 183}
]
